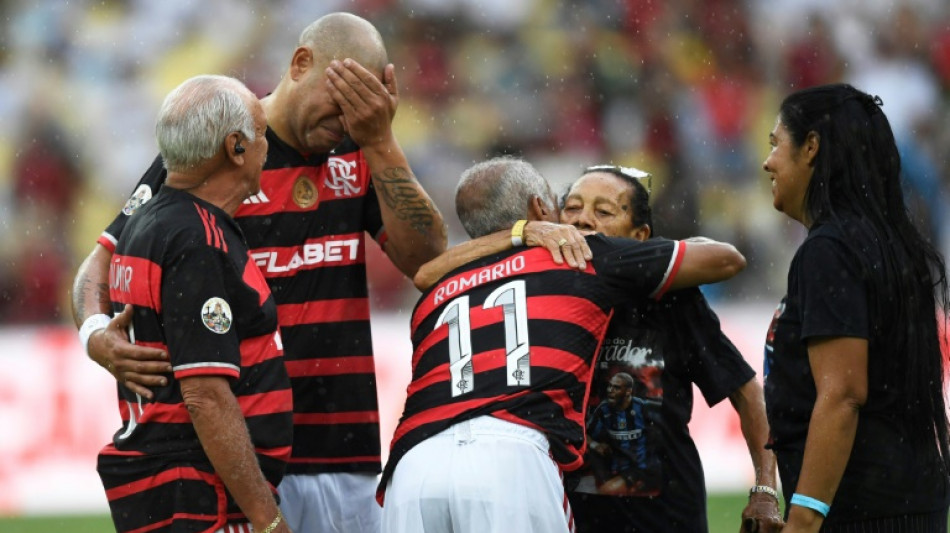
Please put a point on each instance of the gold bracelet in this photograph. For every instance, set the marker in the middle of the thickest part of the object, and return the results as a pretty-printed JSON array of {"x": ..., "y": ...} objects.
[
  {"x": 273, "y": 525},
  {"x": 517, "y": 233}
]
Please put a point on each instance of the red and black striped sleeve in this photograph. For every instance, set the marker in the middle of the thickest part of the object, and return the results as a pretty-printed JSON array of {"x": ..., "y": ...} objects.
[{"x": 639, "y": 268}]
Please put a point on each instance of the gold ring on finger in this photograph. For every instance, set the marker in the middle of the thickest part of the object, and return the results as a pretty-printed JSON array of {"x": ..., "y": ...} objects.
[{"x": 562, "y": 242}]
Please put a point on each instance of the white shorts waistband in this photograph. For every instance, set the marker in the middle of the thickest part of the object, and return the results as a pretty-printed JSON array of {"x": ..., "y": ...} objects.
[{"x": 468, "y": 430}]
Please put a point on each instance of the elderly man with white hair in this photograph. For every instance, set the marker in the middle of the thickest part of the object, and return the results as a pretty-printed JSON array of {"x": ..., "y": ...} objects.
[{"x": 208, "y": 449}]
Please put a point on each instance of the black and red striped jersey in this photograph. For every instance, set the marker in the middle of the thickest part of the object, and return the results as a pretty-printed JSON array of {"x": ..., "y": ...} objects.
[
  {"x": 306, "y": 230},
  {"x": 514, "y": 335},
  {"x": 183, "y": 264}
]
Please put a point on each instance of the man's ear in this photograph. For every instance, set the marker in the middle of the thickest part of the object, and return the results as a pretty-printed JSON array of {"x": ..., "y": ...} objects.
[
  {"x": 537, "y": 210},
  {"x": 233, "y": 149},
  {"x": 301, "y": 62}
]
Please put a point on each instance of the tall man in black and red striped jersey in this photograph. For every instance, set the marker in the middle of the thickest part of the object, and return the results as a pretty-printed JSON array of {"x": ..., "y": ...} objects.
[
  {"x": 334, "y": 174},
  {"x": 207, "y": 451},
  {"x": 503, "y": 354}
]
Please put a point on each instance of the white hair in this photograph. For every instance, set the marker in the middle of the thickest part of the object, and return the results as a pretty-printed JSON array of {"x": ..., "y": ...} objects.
[
  {"x": 196, "y": 117},
  {"x": 494, "y": 194}
]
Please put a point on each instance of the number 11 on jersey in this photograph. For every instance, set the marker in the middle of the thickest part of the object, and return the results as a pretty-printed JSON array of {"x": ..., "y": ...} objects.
[
  {"x": 511, "y": 296},
  {"x": 513, "y": 301}
]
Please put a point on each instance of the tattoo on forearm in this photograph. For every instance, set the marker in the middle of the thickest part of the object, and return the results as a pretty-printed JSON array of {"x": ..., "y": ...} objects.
[
  {"x": 86, "y": 288},
  {"x": 398, "y": 189},
  {"x": 99, "y": 291},
  {"x": 103, "y": 293}
]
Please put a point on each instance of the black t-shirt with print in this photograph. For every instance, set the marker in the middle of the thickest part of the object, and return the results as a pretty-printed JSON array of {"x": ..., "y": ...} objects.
[
  {"x": 834, "y": 290},
  {"x": 647, "y": 474}
]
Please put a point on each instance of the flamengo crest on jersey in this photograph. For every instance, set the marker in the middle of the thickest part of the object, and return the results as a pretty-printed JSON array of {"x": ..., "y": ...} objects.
[
  {"x": 341, "y": 177},
  {"x": 216, "y": 315},
  {"x": 142, "y": 194}
]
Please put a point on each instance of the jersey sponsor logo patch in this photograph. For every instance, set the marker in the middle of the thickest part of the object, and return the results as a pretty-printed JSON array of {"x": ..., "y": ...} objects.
[
  {"x": 310, "y": 254},
  {"x": 341, "y": 177},
  {"x": 216, "y": 315},
  {"x": 305, "y": 193},
  {"x": 141, "y": 195}
]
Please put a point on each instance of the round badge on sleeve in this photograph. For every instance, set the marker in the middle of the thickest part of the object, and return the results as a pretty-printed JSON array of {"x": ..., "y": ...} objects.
[
  {"x": 141, "y": 195},
  {"x": 216, "y": 315}
]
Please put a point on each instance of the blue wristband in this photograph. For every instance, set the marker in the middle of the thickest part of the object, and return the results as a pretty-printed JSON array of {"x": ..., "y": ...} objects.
[{"x": 813, "y": 504}]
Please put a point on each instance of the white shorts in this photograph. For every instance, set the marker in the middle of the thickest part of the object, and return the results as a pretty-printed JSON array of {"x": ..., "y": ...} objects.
[
  {"x": 339, "y": 502},
  {"x": 480, "y": 476}
]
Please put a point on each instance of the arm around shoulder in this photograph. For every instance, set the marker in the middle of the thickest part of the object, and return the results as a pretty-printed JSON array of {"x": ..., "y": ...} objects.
[
  {"x": 707, "y": 261},
  {"x": 564, "y": 242},
  {"x": 136, "y": 367},
  {"x": 459, "y": 255}
]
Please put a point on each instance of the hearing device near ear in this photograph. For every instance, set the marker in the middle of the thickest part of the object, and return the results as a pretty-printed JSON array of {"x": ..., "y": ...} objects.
[{"x": 238, "y": 149}]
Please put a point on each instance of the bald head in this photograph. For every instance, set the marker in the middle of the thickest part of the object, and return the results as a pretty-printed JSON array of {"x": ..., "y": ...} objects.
[
  {"x": 342, "y": 35},
  {"x": 196, "y": 117},
  {"x": 494, "y": 194}
]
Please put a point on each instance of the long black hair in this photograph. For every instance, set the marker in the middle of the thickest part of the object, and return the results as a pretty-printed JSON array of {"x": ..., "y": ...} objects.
[{"x": 856, "y": 185}]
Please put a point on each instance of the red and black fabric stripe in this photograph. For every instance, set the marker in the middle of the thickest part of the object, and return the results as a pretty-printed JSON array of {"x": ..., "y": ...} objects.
[
  {"x": 177, "y": 254},
  {"x": 213, "y": 234},
  {"x": 566, "y": 313},
  {"x": 314, "y": 260},
  {"x": 178, "y": 497}
]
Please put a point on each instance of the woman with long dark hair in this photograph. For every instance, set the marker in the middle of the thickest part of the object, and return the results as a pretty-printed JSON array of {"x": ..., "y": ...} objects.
[{"x": 854, "y": 370}]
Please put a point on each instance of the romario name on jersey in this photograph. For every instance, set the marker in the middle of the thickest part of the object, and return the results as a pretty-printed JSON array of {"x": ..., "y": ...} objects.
[{"x": 483, "y": 275}]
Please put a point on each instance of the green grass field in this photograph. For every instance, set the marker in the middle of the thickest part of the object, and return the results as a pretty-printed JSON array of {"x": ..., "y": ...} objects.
[{"x": 724, "y": 510}]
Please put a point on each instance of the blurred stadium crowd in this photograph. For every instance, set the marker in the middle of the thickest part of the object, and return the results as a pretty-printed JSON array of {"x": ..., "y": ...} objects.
[{"x": 687, "y": 89}]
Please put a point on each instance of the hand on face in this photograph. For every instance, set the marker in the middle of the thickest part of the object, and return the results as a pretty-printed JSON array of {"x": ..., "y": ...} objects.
[{"x": 368, "y": 104}]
